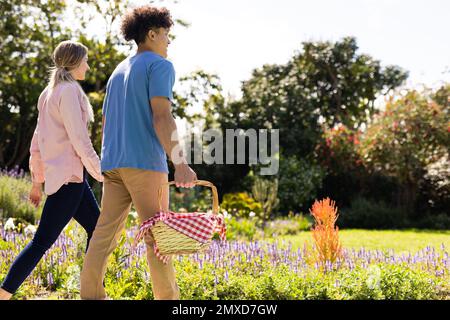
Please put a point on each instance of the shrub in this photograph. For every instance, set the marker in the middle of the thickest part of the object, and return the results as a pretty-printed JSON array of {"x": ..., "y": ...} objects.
[
  {"x": 434, "y": 188},
  {"x": 240, "y": 204},
  {"x": 439, "y": 221},
  {"x": 298, "y": 183},
  {"x": 290, "y": 225},
  {"x": 338, "y": 150},
  {"x": 265, "y": 192},
  {"x": 368, "y": 214},
  {"x": 403, "y": 140},
  {"x": 251, "y": 228},
  {"x": 14, "y": 192},
  {"x": 241, "y": 229}
]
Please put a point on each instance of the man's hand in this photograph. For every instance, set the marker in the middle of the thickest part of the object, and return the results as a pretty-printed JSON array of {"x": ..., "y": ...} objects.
[
  {"x": 184, "y": 176},
  {"x": 36, "y": 194}
]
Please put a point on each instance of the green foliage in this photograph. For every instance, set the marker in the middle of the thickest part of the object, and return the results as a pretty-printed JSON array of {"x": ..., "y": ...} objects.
[
  {"x": 440, "y": 221},
  {"x": 411, "y": 134},
  {"x": 198, "y": 88},
  {"x": 299, "y": 181},
  {"x": 240, "y": 204},
  {"x": 251, "y": 229},
  {"x": 324, "y": 79},
  {"x": 369, "y": 214},
  {"x": 127, "y": 276},
  {"x": 242, "y": 229},
  {"x": 403, "y": 140},
  {"x": 338, "y": 150},
  {"x": 198, "y": 199},
  {"x": 442, "y": 97},
  {"x": 280, "y": 283},
  {"x": 401, "y": 283},
  {"x": 58, "y": 271},
  {"x": 290, "y": 225},
  {"x": 24, "y": 63},
  {"x": 265, "y": 192},
  {"x": 434, "y": 188},
  {"x": 14, "y": 200}
]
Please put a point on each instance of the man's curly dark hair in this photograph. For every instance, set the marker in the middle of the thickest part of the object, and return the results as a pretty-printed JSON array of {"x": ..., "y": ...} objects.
[{"x": 137, "y": 23}]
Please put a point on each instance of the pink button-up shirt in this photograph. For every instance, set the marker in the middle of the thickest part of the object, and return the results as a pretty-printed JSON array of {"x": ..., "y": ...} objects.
[{"x": 61, "y": 145}]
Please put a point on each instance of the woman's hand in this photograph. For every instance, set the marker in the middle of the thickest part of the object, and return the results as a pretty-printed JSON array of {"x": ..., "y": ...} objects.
[{"x": 36, "y": 194}]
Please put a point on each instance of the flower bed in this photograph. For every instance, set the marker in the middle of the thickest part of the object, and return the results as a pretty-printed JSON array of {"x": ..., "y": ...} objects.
[{"x": 238, "y": 270}]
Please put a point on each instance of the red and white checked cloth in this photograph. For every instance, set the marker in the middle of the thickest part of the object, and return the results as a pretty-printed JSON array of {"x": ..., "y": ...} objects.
[{"x": 198, "y": 226}]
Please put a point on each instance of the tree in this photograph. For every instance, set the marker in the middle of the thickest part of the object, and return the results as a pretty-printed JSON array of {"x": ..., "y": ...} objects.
[
  {"x": 403, "y": 140},
  {"x": 29, "y": 32},
  {"x": 326, "y": 83}
]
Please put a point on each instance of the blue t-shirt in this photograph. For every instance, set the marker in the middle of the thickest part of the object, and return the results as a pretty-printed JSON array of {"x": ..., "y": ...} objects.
[{"x": 129, "y": 139}]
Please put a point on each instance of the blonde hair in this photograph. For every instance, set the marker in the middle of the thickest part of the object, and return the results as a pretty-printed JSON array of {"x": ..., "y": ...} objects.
[{"x": 67, "y": 56}]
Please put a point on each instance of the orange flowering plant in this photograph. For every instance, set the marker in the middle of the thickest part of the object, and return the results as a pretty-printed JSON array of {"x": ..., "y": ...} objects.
[{"x": 325, "y": 232}]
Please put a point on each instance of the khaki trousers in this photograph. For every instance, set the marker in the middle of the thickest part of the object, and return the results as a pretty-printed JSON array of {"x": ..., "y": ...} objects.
[{"x": 121, "y": 188}]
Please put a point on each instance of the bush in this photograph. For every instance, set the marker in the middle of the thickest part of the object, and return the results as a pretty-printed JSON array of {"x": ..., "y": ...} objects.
[
  {"x": 434, "y": 188},
  {"x": 368, "y": 214},
  {"x": 290, "y": 225},
  {"x": 241, "y": 228},
  {"x": 14, "y": 191},
  {"x": 240, "y": 204},
  {"x": 251, "y": 228},
  {"x": 298, "y": 183},
  {"x": 410, "y": 135},
  {"x": 338, "y": 150},
  {"x": 436, "y": 222}
]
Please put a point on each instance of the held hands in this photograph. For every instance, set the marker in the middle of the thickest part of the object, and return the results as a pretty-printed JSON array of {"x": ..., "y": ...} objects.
[
  {"x": 36, "y": 194},
  {"x": 184, "y": 176}
]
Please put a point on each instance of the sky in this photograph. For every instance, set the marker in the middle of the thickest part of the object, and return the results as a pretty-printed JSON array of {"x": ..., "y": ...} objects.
[{"x": 233, "y": 37}]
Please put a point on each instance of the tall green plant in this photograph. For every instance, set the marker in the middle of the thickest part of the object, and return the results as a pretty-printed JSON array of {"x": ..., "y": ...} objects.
[{"x": 265, "y": 192}]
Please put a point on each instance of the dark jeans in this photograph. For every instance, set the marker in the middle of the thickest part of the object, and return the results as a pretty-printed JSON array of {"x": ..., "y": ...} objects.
[{"x": 74, "y": 200}]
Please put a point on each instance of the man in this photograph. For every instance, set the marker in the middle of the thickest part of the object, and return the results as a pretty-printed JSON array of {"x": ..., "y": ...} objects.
[{"x": 137, "y": 132}]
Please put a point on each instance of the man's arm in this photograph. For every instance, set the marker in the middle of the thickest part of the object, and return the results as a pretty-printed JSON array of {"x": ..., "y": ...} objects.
[
  {"x": 165, "y": 125},
  {"x": 103, "y": 128}
]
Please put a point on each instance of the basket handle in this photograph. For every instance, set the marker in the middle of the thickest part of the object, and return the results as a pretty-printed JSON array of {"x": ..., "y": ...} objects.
[{"x": 205, "y": 183}]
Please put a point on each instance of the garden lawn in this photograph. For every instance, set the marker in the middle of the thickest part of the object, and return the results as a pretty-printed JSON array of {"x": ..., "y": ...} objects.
[{"x": 398, "y": 240}]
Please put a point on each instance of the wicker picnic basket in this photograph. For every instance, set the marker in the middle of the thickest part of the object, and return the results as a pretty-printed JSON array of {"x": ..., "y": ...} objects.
[{"x": 169, "y": 240}]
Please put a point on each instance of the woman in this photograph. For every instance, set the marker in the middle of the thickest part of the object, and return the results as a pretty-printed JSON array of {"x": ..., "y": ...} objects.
[{"x": 60, "y": 151}]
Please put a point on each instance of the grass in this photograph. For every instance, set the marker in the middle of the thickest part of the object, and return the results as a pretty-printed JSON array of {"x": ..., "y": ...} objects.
[{"x": 398, "y": 240}]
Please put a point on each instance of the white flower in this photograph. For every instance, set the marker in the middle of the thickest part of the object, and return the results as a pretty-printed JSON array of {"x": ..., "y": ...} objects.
[
  {"x": 251, "y": 214},
  {"x": 73, "y": 280},
  {"x": 374, "y": 276},
  {"x": 134, "y": 214},
  {"x": 9, "y": 225},
  {"x": 225, "y": 214},
  {"x": 30, "y": 229}
]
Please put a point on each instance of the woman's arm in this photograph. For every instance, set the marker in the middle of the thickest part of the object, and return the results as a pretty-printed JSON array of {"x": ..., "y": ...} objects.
[
  {"x": 77, "y": 130},
  {"x": 36, "y": 169},
  {"x": 35, "y": 162}
]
